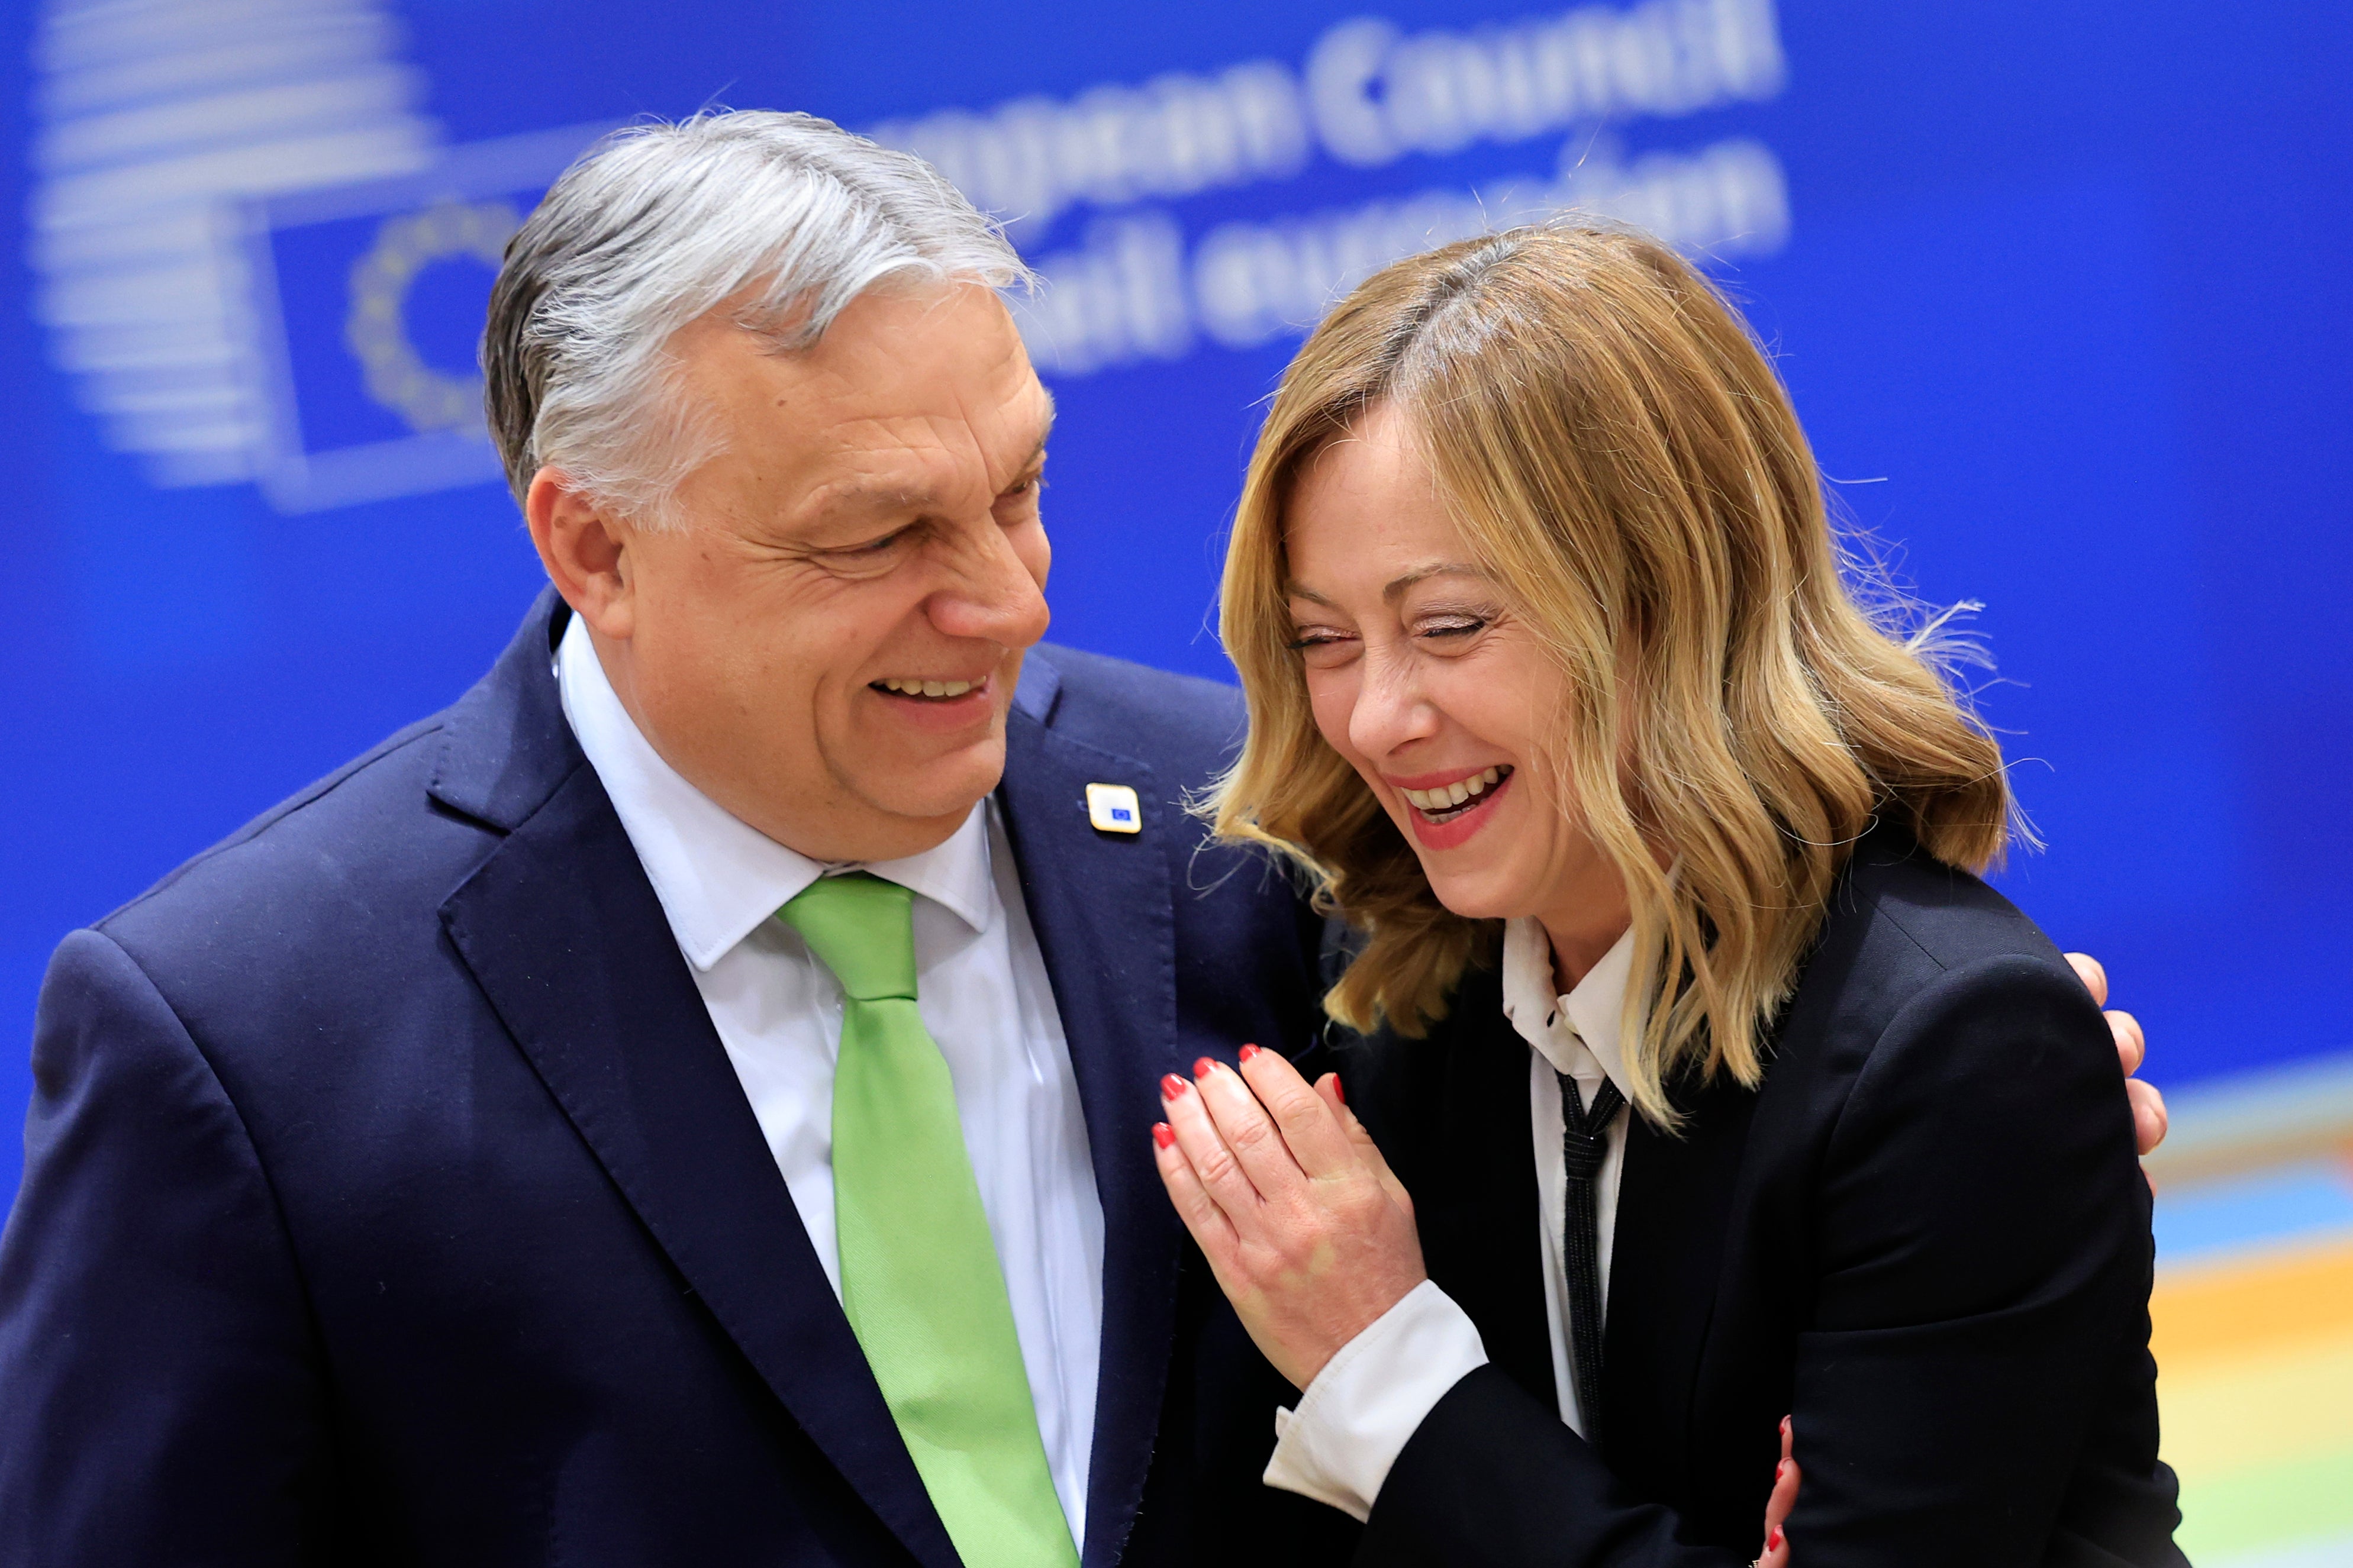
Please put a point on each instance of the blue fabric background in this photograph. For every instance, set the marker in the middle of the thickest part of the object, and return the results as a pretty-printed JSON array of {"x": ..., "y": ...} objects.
[{"x": 2060, "y": 299}]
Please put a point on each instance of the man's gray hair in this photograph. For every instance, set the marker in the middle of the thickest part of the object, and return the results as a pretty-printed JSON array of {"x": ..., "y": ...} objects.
[{"x": 784, "y": 217}]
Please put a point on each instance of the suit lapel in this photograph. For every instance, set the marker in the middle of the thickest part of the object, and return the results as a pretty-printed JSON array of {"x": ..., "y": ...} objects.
[
  {"x": 1482, "y": 1239},
  {"x": 1476, "y": 1180},
  {"x": 1674, "y": 1206},
  {"x": 1100, "y": 904},
  {"x": 565, "y": 937}
]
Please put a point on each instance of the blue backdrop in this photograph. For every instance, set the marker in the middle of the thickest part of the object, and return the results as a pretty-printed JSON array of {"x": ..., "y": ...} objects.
[{"x": 2060, "y": 288}]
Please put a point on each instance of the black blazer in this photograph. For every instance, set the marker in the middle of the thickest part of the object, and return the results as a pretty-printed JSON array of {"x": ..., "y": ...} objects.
[
  {"x": 388, "y": 1197},
  {"x": 1927, "y": 1236}
]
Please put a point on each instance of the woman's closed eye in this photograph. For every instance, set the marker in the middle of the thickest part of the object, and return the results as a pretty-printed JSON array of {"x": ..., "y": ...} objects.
[
  {"x": 1455, "y": 627},
  {"x": 1325, "y": 641}
]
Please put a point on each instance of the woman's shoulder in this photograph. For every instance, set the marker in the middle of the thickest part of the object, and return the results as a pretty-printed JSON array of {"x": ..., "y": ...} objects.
[
  {"x": 1924, "y": 962},
  {"x": 1899, "y": 919},
  {"x": 1952, "y": 1097},
  {"x": 1951, "y": 917}
]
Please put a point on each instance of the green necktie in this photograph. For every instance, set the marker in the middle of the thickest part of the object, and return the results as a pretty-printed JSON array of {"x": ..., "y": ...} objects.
[{"x": 920, "y": 1278}]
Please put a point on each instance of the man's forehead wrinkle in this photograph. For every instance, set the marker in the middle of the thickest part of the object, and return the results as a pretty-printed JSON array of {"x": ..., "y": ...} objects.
[
  {"x": 877, "y": 486},
  {"x": 899, "y": 443},
  {"x": 878, "y": 445},
  {"x": 903, "y": 463},
  {"x": 1013, "y": 450},
  {"x": 850, "y": 494},
  {"x": 1044, "y": 405}
]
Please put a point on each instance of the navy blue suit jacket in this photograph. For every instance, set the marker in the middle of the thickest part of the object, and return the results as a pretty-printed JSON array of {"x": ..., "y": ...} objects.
[
  {"x": 1925, "y": 1237},
  {"x": 388, "y": 1197}
]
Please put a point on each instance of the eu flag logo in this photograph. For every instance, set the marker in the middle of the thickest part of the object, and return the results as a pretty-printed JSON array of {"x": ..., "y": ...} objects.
[
  {"x": 1114, "y": 809},
  {"x": 369, "y": 301}
]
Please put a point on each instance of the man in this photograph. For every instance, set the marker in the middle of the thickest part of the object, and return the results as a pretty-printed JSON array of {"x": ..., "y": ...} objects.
[
  {"x": 440, "y": 1171},
  {"x": 690, "y": 1100}
]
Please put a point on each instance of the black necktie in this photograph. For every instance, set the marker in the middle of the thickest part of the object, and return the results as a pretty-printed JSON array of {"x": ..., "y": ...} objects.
[{"x": 1584, "y": 1142}]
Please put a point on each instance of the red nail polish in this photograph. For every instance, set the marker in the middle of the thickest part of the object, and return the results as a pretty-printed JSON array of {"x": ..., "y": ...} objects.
[
  {"x": 1171, "y": 1086},
  {"x": 1163, "y": 1134},
  {"x": 1780, "y": 1471},
  {"x": 1773, "y": 1541},
  {"x": 1201, "y": 1069},
  {"x": 1339, "y": 1089},
  {"x": 1249, "y": 1051}
]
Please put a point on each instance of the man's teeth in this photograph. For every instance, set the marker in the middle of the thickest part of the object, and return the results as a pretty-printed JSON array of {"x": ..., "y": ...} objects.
[
  {"x": 1449, "y": 797},
  {"x": 926, "y": 687}
]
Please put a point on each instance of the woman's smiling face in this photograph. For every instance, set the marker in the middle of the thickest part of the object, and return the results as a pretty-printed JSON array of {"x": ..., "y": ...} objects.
[{"x": 1423, "y": 677}]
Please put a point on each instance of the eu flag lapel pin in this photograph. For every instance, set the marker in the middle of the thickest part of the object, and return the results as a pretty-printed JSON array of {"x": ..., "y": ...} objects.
[{"x": 1114, "y": 809}]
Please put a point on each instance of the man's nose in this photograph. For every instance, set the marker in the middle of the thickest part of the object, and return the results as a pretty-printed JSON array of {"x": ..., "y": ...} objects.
[{"x": 993, "y": 597}]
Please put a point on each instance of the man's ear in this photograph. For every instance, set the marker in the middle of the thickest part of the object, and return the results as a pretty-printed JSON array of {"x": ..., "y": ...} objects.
[{"x": 586, "y": 551}]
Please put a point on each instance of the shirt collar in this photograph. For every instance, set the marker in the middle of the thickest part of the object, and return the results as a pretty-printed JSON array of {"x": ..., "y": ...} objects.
[
  {"x": 1592, "y": 1016},
  {"x": 718, "y": 876}
]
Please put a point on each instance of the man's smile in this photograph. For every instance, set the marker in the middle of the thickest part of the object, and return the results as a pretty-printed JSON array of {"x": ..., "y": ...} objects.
[{"x": 930, "y": 689}]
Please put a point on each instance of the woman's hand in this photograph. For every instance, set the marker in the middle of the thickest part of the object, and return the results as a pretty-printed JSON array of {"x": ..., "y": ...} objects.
[
  {"x": 1309, "y": 1233},
  {"x": 1777, "y": 1506}
]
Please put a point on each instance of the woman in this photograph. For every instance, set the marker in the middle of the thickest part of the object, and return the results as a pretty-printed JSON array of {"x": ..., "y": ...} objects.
[{"x": 1677, "y": 988}]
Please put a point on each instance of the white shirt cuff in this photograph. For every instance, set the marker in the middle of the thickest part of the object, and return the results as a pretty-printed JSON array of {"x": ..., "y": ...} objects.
[{"x": 1358, "y": 1414}]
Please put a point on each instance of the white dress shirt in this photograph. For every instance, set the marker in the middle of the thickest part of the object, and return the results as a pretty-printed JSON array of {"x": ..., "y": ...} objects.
[
  {"x": 982, "y": 991},
  {"x": 1357, "y": 1414}
]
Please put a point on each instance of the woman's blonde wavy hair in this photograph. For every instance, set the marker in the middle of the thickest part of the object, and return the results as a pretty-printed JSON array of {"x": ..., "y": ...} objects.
[{"x": 1623, "y": 461}]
